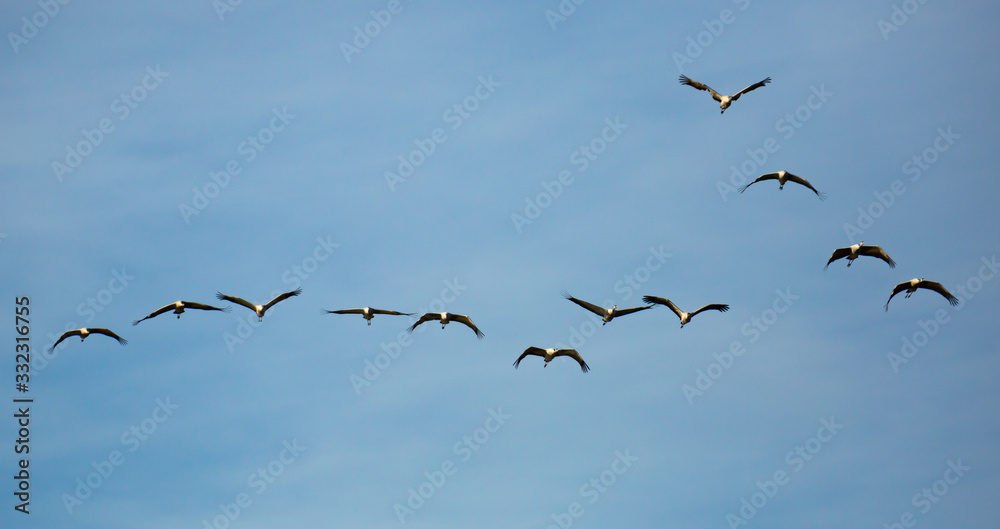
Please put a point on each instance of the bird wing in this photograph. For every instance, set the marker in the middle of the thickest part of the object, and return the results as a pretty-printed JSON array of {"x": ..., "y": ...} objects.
[
  {"x": 572, "y": 353},
  {"x": 939, "y": 288},
  {"x": 391, "y": 312},
  {"x": 700, "y": 86},
  {"x": 202, "y": 306},
  {"x": 106, "y": 332},
  {"x": 803, "y": 181},
  {"x": 899, "y": 288},
  {"x": 236, "y": 300},
  {"x": 623, "y": 312},
  {"x": 537, "y": 351},
  {"x": 282, "y": 297},
  {"x": 750, "y": 88},
  {"x": 589, "y": 306},
  {"x": 768, "y": 176},
  {"x": 426, "y": 317},
  {"x": 461, "y": 318},
  {"x": 837, "y": 254},
  {"x": 876, "y": 251},
  {"x": 155, "y": 313},
  {"x": 346, "y": 311},
  {"x": 663, "y": 301},
  {"x": 713, "y": 306},
  {"x": 65, "y": 335}
]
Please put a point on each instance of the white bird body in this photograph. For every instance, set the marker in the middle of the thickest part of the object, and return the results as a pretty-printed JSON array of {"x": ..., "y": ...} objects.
[
  {"x": 446, "y": 318},
  {"x": 684, "y": 316},
  {"x": 724, "y": 100},
  {"x": 549, "y": 354},
  {"x": 258, "y": 309},
  {"x": 854, "y": 251},
  {"x": 605, "y": 314},
  {"x": 912, "y": 285},
  {"x": 784, "y": 177},
  {"x": 178, "y": 308},
  {"x": 87, "y": 331},
  {"x": 368, "y": 313}
]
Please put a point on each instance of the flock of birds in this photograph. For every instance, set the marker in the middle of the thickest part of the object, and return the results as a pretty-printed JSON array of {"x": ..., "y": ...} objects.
[
  {"x": 368, "y": 313},
  {"x": 852, "y": 252}
]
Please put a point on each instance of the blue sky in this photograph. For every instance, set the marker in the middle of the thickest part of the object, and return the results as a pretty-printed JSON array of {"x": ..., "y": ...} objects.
[{"x": 156, "y": 152}]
